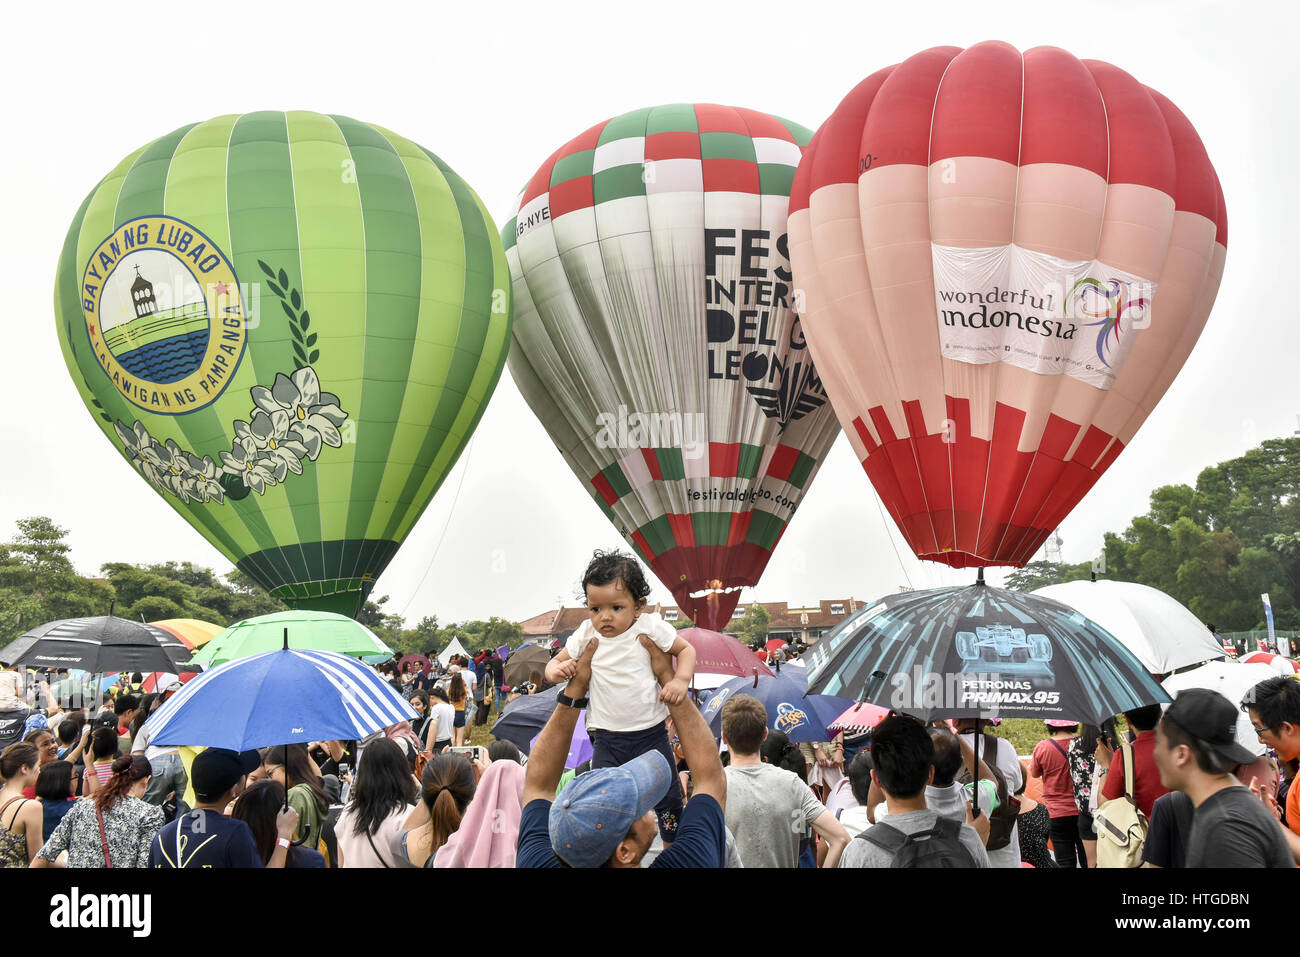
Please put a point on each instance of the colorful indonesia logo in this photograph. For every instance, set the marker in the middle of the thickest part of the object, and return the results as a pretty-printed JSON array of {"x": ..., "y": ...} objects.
[
  {"x": 164, "y": 314},
  {"x": 1118, "y": 305},
  {"x": 788, "y": 717}
]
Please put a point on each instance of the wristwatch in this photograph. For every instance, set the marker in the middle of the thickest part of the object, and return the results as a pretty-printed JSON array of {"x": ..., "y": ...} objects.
[
  {"x": 283, "y": 842},
  {"x": 576, "y": 703}
]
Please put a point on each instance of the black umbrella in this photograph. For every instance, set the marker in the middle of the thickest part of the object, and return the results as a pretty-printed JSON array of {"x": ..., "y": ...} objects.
[
  {"x": 980, "y": 651},
  {"x": 523, "y": 662},
  {"x": 523, "y": 719},
  {"x": 98, "y": 645}
]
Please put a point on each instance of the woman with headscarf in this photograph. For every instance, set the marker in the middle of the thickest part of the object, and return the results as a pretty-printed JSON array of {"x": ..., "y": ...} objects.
[{"x": 489, "y": 829}]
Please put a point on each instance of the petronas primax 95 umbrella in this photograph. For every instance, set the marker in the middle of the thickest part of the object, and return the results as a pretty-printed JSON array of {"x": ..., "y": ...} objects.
[{"x": 980, "y": 651}]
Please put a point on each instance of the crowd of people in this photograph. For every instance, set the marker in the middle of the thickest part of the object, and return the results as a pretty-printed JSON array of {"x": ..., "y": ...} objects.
[{"x": 86, "y": 787}]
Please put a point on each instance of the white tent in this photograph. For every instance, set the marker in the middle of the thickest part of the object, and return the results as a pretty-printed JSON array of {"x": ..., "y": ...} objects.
[{"x": 454, "y": 647}]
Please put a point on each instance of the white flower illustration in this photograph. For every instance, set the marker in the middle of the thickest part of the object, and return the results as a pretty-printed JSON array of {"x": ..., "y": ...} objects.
[
  {"x": 172, "y": 468},
  {"x": 275, "y": 439},
  {"x": 201, "y": 480},
  {"x": 314, "y": 416},
  {"x": 291, "y": 421},
  {"x": 255, "y": 468}
]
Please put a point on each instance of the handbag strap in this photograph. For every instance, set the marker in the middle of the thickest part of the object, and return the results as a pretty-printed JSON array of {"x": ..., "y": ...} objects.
[
  {"x": 8, "y": 804},
  {"x": 376, "y": 850},
  {"x": 1128, "y": 769},
  {"x": 103, "y": 837}
]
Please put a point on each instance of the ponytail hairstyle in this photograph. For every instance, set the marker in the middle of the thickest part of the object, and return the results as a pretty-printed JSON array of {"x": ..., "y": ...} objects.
[
  {"x": 446, "y": 789},
  {"x": 776, "y": 749},
  {"x": 18, "y": 756},
  {"x": 127, "y": 770}
]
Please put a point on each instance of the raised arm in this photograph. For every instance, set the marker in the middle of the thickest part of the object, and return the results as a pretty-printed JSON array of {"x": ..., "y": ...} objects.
[
  {"x": 701, "y": 751},
  {"x": 72, "y": 756},
  {"x": 546, "y": 761}
]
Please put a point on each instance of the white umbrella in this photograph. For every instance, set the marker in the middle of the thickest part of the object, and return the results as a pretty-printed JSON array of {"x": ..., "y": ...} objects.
[
  {"x": 1233, "y": 680},
  {"x": 1161, "y": 632},
  {"x": 707, "y": 681}
]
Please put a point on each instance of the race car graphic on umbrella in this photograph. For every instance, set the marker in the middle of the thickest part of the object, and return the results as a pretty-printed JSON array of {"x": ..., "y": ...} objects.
[{"x": 980, "y": 651}]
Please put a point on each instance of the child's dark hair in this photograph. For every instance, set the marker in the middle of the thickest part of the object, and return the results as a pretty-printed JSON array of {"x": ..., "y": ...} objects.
[{"x": 605, "y": 568}]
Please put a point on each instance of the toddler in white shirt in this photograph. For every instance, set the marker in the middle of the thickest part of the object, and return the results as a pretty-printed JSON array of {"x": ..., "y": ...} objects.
[{"x": 627, "y": 711}]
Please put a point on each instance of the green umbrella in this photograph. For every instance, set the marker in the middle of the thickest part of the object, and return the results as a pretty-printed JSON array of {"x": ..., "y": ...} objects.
[{"x": 305, "y": 630}]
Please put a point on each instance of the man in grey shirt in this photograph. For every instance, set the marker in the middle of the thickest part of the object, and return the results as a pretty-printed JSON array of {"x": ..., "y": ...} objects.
[
  {"x": 769, "y": 809},
  {"x": 1196, "y": 752},
  {"x": 902, "y": 756}
]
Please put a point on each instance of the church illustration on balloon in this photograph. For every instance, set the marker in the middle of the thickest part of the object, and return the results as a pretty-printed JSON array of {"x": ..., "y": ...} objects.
[{"x": 154, "y": 317}]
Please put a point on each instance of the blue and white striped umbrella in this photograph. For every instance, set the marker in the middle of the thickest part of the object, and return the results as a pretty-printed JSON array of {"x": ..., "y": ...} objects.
[{"x": 279, "y": 697}]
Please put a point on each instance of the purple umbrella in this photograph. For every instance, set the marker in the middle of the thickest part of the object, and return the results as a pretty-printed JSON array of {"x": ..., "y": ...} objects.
[{"x": 580, "y": 750}]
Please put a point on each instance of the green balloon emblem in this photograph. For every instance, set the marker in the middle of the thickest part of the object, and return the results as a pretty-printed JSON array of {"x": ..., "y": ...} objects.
[{"x": 289, "y": 324}]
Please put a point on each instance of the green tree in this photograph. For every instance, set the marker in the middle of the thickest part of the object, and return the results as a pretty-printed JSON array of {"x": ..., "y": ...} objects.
[
  {"x": 1041, "y": 574},
  {"x": 1218, "y": 546},
  {"x": 753, "y": 626},
  {"x": 38, "y": 582}
]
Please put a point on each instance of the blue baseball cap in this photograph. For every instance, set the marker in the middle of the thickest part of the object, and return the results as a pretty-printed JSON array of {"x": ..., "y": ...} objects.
[{"x": 596, "y": 810}]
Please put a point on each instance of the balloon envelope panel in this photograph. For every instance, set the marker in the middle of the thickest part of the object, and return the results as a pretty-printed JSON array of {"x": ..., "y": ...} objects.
[{"x": 289, "y": 324}]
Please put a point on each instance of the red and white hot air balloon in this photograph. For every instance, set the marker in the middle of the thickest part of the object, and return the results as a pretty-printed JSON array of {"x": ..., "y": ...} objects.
[{"x": 1005, "y": 259}]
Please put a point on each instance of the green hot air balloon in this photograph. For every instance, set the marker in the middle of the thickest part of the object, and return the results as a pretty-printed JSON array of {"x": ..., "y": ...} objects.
[{"x": 289, "y": 324}]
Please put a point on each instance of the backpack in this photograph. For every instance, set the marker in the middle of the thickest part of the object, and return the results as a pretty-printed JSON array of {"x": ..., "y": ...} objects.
[
  {"x": 1003, "y": 819},
  {"x": 11, "y": 726},
  {"x": 1121, "y": 825},
  {"x": 937, "y": 847}
]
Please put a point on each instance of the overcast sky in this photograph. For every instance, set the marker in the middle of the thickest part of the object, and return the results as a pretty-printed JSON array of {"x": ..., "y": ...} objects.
[{"x": 494, "y": 89}]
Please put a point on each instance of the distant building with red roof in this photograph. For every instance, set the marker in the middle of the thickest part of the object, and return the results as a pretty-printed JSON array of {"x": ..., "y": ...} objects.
[{"x": 800, "y": 623}]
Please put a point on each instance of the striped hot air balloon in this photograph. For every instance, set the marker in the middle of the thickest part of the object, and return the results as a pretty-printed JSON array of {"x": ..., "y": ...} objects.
[
  {"x": 657, "y": 340},
  {"x": 1007, "y": 258},
  {"x": 289, "y": 324}
]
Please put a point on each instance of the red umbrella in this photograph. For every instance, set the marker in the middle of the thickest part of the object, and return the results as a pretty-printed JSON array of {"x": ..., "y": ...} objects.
[
  {"x": 776, "y": 644},
  {"x": 1277, "y": 662},
  {"x": 859, "y": 718},
  {"x": 420, "y": 660},
  {"x": 153, "y": 680},
  {"x": 719, "y": 654}
]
